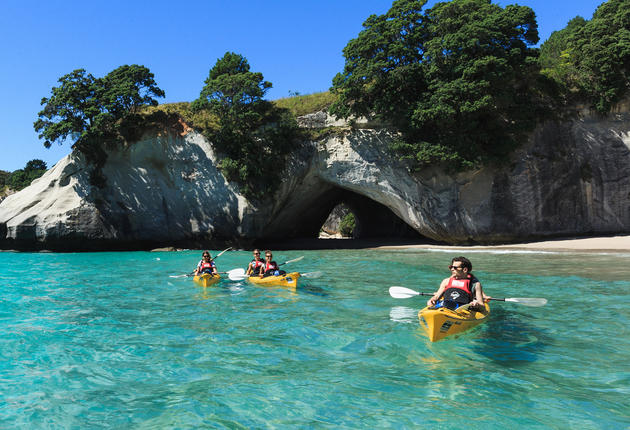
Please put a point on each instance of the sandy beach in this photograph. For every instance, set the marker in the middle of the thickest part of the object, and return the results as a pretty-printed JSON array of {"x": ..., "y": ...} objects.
[{"x": 592, "y": 244}]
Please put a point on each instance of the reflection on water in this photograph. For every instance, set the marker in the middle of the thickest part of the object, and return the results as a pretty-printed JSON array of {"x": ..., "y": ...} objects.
[{"x": 403, "y": 314}]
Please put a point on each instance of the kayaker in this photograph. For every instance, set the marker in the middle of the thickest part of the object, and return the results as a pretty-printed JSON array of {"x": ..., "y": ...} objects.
[
  {"x": 206, "y": 265},
  {"x": 461, "y": 288},
  {"x": 255, "y": 265},
  {"x": 270, "y": 268}
]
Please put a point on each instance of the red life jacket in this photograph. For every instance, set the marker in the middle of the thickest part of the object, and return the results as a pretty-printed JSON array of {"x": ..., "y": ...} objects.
[
  {"x": 256, "y": 265},
  {"x": 270, "y": 266},
  {"x": 459, "y": 290},
  {"x": 203, "y": 265}
]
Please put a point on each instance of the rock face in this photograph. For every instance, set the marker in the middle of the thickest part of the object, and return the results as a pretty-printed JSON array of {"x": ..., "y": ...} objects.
[
  {"x": 162, "y": 189},
  {"x": 571, "y": 178},
  {"x": 332, "y": 225}
]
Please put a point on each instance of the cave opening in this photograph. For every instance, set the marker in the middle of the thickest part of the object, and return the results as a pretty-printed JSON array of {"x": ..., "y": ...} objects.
[{"x": 315, "y": 222}]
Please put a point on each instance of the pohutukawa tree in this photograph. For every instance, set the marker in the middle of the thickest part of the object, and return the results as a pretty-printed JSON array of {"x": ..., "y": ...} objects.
[
  {"x": 457, "y": 79},
  {"x": 254, "y": 137},
  {"x": 90, "y": 110}
]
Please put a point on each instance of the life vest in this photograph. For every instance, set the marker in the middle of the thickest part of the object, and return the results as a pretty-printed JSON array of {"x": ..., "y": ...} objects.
[
  {"x": 271, "y": 266},
  {"x": 206, "y": 266},
  {"x": 256, "y": 265},
  {"x": 460, "y": 290}
]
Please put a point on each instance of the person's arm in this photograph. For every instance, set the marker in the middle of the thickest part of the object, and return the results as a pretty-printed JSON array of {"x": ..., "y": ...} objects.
[
  {"x": 249, "y": 269},
  {"x": 479, "y": 295},
  {"x": 436, "y": 296},
  {"x": 196, "y": 271},
  {"x": 214, "y": 269}
]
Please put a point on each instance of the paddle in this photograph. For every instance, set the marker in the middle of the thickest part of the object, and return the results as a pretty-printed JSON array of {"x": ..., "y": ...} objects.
[
  {"x": 239, "y": 276},
  {"x": 193, "y": 274},
  {"x": 405, "y": 293}
]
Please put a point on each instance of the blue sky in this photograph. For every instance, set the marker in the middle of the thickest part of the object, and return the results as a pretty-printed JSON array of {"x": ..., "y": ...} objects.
[{"x": 296, "y": 45}]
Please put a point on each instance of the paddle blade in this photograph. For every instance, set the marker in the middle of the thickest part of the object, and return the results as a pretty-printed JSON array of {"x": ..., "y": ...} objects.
[
  {"x": 236, "y": 274},
  {"x": 528, "y": 301},
  {"x": 311, "y": 275},
  {"x": 402, "y": 292},
  {"x": 223, "y": 252},
  {"x": 292, "y": 261}
]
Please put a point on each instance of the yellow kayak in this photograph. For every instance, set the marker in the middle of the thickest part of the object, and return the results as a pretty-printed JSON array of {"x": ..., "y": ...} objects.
[
  {"x": 288, "y": 280},
  {"x": 206, "y": 279},
  {"x": 442, "y": 322}
]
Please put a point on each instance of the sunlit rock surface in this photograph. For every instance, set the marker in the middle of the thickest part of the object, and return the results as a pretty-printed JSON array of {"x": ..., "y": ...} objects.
[{"x": 571, "y": 178}]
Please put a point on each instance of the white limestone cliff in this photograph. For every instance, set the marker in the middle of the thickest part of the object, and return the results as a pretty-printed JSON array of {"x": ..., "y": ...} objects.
[{"x": 571, "y": 178}]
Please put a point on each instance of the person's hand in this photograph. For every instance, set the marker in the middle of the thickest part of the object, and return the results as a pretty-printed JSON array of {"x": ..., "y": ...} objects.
[
  {"x": 475, "y": 305},
  {"x": 431, "y": 302}
]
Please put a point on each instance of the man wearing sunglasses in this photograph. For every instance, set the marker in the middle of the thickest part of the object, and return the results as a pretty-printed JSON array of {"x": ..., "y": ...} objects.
[
  {"x": 461, "y": 288},
  {"x": 255, "y": 265}
]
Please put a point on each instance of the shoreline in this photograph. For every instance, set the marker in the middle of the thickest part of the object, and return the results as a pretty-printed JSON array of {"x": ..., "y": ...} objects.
[
  {"x": 598, "y": 244},
  {"x": 590, "y": 244}
]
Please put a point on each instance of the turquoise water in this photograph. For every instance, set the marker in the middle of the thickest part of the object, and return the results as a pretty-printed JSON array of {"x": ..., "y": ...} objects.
[{"x": 109, "y": 340}]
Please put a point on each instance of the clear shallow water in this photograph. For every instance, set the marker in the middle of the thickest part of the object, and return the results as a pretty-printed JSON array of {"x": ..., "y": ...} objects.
[{"x": 109, "y": 340}]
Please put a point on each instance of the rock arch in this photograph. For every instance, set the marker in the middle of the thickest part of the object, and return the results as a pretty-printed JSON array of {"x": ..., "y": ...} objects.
[{"x": 303, "y": 216}]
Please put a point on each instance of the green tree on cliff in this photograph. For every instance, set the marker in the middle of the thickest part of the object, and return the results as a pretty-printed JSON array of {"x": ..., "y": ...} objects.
[
  {"x": 600, "y": 52},
  {"x": 555, "y": 58},
  {"x": 90, "y": 110},
  {"x": 22, "y": 178},
  {"x": 457, "y": 79},
  {"x": 590, "y": 60},
  {"x": 71, "y": 110},
  {"x": 253, "y": 136}
]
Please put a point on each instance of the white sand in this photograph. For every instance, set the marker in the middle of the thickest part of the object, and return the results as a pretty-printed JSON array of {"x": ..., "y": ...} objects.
[{"x": 600, "y": 244}]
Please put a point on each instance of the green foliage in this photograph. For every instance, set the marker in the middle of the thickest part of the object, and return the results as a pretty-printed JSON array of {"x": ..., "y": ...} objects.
[
  {"x": 127, "y": 88},
  {"x": 590, "y": 60},
  {"x": 202, "y": 120},
  {"x": 253, "y": 136},
  {"x": 304, "y": 104},
  {"x": 599, "y": 50},
  {"x": 457, "y": 79},
  {"x": 4, "y": 176},
  {"x": 22, "y": 178},
  {"x": 90, "y": 110},
  {"x": 554, "y": 53},
  {"x": 347, "y": 225}
]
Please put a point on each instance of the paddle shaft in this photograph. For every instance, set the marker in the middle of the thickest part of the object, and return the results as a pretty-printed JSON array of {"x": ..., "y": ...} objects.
[{"x": 405, "y": 293}]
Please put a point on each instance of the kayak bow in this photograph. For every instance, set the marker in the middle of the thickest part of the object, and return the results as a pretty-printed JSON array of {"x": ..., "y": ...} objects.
[
  {"x": 442, "y": 322},
  {"x": 206, "y": 279}
]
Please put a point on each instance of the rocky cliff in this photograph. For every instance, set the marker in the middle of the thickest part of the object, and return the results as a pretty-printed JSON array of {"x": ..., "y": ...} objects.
[{"x": 571, "y": 178}]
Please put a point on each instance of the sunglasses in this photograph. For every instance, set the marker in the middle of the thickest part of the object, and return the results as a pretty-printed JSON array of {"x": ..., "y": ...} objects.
[
  {"x": 455, "y": 267},
  {"x": 256, "y": 253},
  {"x": 268, "y": 256}
]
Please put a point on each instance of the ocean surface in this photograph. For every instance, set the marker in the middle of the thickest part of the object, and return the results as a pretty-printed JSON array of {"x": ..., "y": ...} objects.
[{"x": 111, "y": 340}]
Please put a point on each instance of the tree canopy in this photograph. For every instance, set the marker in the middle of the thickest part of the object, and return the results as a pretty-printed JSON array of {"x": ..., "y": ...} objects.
[
  {"x": 89, "y": 110},
  {"x": 22, "y": 178},
  {"x": 253, "y": 136},
  {"x": 457, "y": 79},
  {"x": 600, "y": 53}
]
